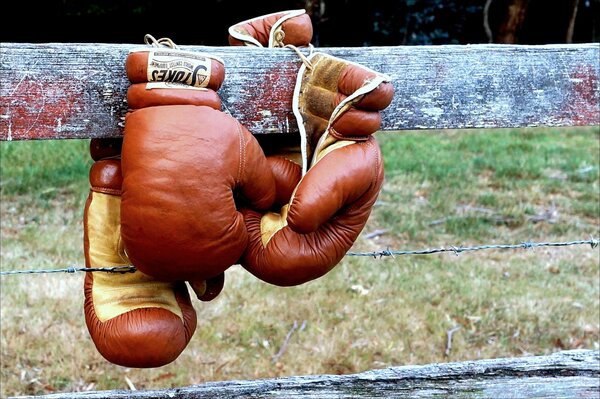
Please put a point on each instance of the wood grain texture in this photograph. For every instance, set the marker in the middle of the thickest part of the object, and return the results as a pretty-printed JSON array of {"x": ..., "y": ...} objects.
[
  {"x": 568, "y": 374},
  {"x": 70, "y": 90}
]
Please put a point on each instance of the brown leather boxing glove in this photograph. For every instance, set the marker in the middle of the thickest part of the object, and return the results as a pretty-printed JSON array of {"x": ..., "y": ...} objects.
[
  {"x": 273, "y": 30},
  {"x": 184, "y": 164},
  {"x": 328, "y": 180},
  {"x": 133, "y": 319}
]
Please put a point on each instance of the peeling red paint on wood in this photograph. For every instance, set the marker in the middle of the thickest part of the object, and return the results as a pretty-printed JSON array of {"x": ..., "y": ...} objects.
[
  {"x": 53, "y": 106},
  {"x": 63, "y": 90},
  {"x": 58, "y": 90},
  {"x": 270, "y": 99},
  {"x": 584, "y": 97}
]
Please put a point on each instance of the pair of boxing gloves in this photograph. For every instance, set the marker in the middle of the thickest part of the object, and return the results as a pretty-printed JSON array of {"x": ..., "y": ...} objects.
[{"x": 189, "y": 191}]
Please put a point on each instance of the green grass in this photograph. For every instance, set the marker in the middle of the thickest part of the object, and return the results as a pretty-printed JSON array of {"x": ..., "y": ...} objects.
[
  {"x": 498, "y": 178},
  {"x": 441, "y": 188},
  {"x": 44, "y": 168}
]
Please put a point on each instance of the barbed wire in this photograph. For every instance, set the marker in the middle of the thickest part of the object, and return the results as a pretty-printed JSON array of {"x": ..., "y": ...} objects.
[
  {"x": 592, "y": 242},
  {"x": 72, "y": 269},
  {"x": 457, "y": 250}
]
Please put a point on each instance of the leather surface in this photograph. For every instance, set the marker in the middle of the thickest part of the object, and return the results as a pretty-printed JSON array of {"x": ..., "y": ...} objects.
[
  {"x": 331, "y": 205},
  {"x": 144, "y": 337},
  {"x": 138, "y": 96},
  {"x": 105, "y": 148},
  {"x": 133, "y": 319},
  {"x": 209, "y": 289},
  {"x": 297, "y": 30},
  {"x": 182, "y": 166},
  {"x": 318, "y": 216}
]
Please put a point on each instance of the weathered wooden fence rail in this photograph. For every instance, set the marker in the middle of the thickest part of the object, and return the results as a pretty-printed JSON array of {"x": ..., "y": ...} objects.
[
  {"x": 569, "y": 374},
  {"x": 65, "y": 90}
]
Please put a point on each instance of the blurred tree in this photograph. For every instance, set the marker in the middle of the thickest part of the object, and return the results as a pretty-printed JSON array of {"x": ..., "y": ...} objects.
[
  {"x": 533, "y": 21},
  {"x": 408, "y": 22},
  {"x": 336, "y": 22}
]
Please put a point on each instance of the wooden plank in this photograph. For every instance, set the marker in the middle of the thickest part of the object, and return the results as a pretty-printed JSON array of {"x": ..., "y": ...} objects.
[
  {"x": 62, "y": 90},
  {"x": 568, "y": 374}
]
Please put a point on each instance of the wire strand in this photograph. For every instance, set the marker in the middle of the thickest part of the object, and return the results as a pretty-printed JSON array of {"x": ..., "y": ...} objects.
[
  {"x": 457, "y": 250},
  {"x": 111, "y": 269},
  {"x": 592, "y": 242}
]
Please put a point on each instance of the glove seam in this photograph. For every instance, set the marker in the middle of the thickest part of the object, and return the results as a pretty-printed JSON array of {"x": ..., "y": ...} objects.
[
  {"x": 377, "y": 163},
  {"x": 339, "y": 136},
  {"x": 370, "y": 189},
  {"x": 104, "y": 190},
  {"x": 242, "y": 154}
]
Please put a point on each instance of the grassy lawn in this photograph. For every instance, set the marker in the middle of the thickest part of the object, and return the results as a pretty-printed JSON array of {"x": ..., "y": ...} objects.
[{"x": 465, "y": 187}]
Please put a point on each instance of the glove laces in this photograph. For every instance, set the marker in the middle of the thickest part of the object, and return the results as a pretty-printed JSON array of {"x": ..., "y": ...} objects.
[
  {"x": 304, "y": 59},
  {"x": 162, "y": 42},
  {"x": 279, "y": 36}
]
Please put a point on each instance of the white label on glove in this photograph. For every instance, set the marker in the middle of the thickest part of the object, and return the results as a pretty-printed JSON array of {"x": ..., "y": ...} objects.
[
  {"x": 175, "y": 66},
  {"x": 172, "y": 85}
]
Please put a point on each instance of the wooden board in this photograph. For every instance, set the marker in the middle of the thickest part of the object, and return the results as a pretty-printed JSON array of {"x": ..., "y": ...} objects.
[
  {"x": 568, "y": 374},
  {"x": 69, "y": 90}
]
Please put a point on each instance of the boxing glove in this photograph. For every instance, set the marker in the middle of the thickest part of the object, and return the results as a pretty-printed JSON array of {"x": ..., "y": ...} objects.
[
  {"x": 184, "y": 165},
  {"x": 133, "y": 319},
  {"x": 273, "y": 30},
  {"x": 327, "y": 179}
]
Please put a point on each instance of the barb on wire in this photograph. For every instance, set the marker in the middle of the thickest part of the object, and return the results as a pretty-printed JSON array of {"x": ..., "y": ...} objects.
[{"x": 593, "y": 242}]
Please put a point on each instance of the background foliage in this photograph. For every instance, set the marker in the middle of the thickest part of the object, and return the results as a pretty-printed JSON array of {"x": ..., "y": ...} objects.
[{"x": 337, "y": 22}]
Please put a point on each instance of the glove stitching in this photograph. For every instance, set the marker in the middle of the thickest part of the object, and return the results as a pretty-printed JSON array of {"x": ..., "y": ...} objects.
[
  {"x": 338, "y": 136},
  {"x": 355, "y": 206},
  {"x": 242, "y": 154},
  {"x": 105, "y": 190},
  {"x": 377, "y": 163},
  {"x": 377, "y": 155}
]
